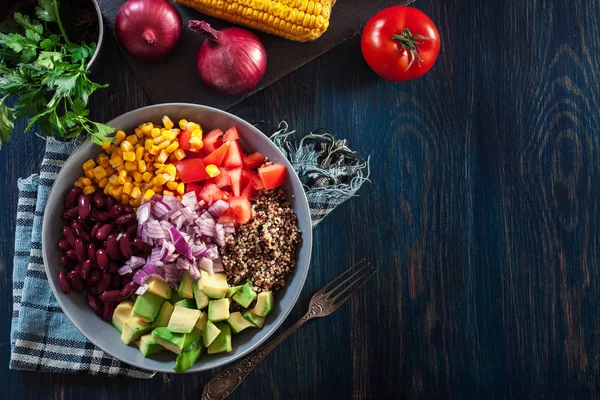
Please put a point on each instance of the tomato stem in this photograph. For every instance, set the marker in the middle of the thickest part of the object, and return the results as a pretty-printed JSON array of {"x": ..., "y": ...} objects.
[{"x": 409, "y": 42}]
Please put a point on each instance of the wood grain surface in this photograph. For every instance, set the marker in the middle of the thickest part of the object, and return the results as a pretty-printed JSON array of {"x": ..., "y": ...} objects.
[{"x": 482, "y": 218}]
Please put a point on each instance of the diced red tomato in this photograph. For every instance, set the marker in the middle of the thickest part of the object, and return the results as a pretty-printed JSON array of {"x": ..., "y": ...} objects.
[
  {"x": 184, "y": 139},
  {"x": 191, "y": 186},
  {"x": 234, "y": 155},
  {"x": 273, "y": 176},
  {"x": 191, "y": 170},
  {"x": 254, "y": 160},
  {"x": 192, "y": 154},
  {"x": 235, "y": 174},
  {"x": 231, "y": 134},
  {"x": 212, "y": 140},
  {"x": 217, "y": 156},
  {"x": 251, "y": 176},
  {"x": 241, "y": 209},
  {"x": 227, "y": 217},
  {"x": 211, "y": 193},
  {"x": 248, "y": 191},
  {"x": 222, "y": 180}
]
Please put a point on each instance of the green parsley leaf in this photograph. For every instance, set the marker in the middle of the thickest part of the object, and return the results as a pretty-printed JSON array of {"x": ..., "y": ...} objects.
[
  {"x": 100, "y": 133},
  {"x": 7, "y": 121},
  {"x": 79, "y": 53},
  {"x": 46, "y": 59},
  {"x": 50, "y": 42},
  {"x": 66, "y": 85},
  {"x": 26, "y": 23},
  {"x": 45, "y": 10}
]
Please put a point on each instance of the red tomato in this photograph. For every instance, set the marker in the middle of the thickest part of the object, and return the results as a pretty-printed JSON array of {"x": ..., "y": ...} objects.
[
  {"x": 184, "y": 139},
  {"x": 191, "y": 170},
  {"x": 222, "y": 180},
  {"x": 241, "y": 209},
  {"x": 234, "y": 155},
  {"x": 235, "y": 174},
  {"x": 192, "y": 154},
  {"x": 252, "y": 177},
  {"x": 211, "y": 193},
  {"x": 248, "y": 191},
  {"x": 231, "y": 134},
  {"x": 400, "y": 43},
  {"x": 273, "y": 175},
  {"x": 212, "y": 140},
  {"x": 217, "y": 156},
  {"x": 254, "y": 160},
  {"x": 195, "y": 188},
  {"x": 227, "y": 217}
]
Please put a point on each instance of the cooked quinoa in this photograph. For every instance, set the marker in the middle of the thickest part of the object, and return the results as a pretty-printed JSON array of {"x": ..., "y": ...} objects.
[{"x": 263, "y": 251}]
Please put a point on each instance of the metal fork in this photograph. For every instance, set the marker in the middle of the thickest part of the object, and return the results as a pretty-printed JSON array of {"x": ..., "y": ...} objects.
[{"x": 323, "y": 303}]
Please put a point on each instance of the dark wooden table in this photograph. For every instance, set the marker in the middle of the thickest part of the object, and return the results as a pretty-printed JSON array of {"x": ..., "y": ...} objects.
[{"x": 482, "y": 217}]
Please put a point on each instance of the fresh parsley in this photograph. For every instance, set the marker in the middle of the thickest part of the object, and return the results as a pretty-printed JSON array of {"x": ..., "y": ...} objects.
[{"x": 47, "y": 73}]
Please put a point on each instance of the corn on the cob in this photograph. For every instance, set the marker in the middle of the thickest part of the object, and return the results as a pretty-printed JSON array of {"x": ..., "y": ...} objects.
[{"x": 300, "y": 20}]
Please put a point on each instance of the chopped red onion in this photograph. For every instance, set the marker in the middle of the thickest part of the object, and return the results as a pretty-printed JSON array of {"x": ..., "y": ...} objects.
[
  {"x": 160, "y": 209},
  {"x": 172, "y": 273},
  {"x": 218, "y": 208},
  {"x": 136, "y": 262},
  {"x": 183, "y": 263},
  {"x": 207, "y": 227},
  {"x": 142, "y": 289},
  {"x": 125, "y": 269},
  {"x": 154, "y": 230},
  {"x": 154, "y": 257},
  {"x": 198, "y": 249},
  {"x": 139, "y": 276},
  {"x": 143, "y": 213},
  {"x": 189, "y": 199},
  {"x": 206, "y": 264},
  {"x": 212, "y": 252},
  {"x": 218, "y": 266},
  {"x": 229, "y": 227},
  {"x": 220, "y": 235},
  {"x": 181, "y": 245},
  {"x": 194, "y": 272}
]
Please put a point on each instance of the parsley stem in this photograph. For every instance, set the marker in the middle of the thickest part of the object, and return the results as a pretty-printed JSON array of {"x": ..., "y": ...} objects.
[{"x": 59, "y": 22}]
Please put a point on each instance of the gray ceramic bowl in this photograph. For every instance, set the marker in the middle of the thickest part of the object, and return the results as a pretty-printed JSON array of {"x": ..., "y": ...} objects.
[{"x": 104, "y": 335}]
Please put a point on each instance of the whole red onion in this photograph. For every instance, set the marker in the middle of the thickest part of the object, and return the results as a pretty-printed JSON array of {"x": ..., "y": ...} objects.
[
  {"x": 231, "y": 61},
  {"x": 148, "y": 29}
]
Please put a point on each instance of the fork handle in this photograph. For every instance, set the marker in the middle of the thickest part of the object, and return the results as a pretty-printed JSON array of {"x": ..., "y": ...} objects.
[{"x": 225, "y": 382}]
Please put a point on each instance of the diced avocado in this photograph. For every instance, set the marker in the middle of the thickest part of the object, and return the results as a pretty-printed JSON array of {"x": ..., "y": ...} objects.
[
  {"x": 189, "y": 355},
  {"x": 222, "y": 344},
  {"x": 121, "y": 313},
  {"x": 187, "y": 303},
  {"x": 233, "y": 290},
  {"x": 210, "y": 333},
  {"x": 160, "y": 288},
  {"x": 192, "y": 336},
  {"x": 238, "y": 323},
  {"x": 245, "y": 296},
  {"x": 201, "y": 298},
  {"x": 218, "y": 310},
  {"x": 264, "y": 304},
  {"x": 201, "y": 323},
  {"x": 148, "y": 345},
  {"x": 133, "y": 329},
  {"x": 215, "y": 286},
  {"x": 147, "y": 306},
  {"x": 183, "y": 319},
  {"x": 175, "y": 297},
  {"x": 185, "y": 286},
  {"x": 164, "y": 315},
  {"x": 256, "y": 320},
  {"x": 169, "y": 340}
]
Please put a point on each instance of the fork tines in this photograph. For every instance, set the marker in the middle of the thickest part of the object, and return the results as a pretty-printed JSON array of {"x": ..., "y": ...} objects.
[{"x": 360, "y": 273}]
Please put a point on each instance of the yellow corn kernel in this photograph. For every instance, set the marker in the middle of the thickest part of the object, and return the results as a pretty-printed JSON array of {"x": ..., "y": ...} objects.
[
  {"x": 160, "y": 180},
  {"x": 122, "y": 177},
  {"x": 212, "y": 170},
  {"x": 132, "y": 139},
  {"x": 155, "y": 132},
  {"x": 106, "y": 145},
  {"x": 136, "y": 192},
  {"x": 126, "y": 146},
  {"x": 179, "y": 154},
  {"x": 168, "y": 134},
  {"x": 159, "y": 139},
  {"x": 146, "y": 176},
  {"x": 128, "y": 155},
  {"x": 119, "y": 137},
  {"x": 99, "y": 172},
  {"x": 78, "y": 184},
  {"x": 139, "y": 153},
  {"x": 148, "y": 195},
  {"x": 137, "y": 176},
  {"x": 113, "y": 179},
  {"x": 157, "y": 189},
  {"x": 139, "y": 133},
  {"x": 141, "y": 166},
  {"x": 196, "y": 144},
  {"x": 162, "y": 157},
  {"x": 116, "y": 161},
  {"x": 168, "y": 192},
  {"x": 89, "y": 189},
  {"x": 197, "y": 133},
  {"x": 118, "y": 152},
  {"x": 181, "y": 188},
  {"x": 121, "y": 168},
  {"x": 148, "y": 144},
  {"x": 147, "y": 127},
  {"x": 150, "y": 167},
  {"x": 102, "y": 183},
  {"x": 172, "y": 158},
  {"x": 164, "y": 144},
  {"x": 108, "y": 188},
  {"x": 86, "y": 182},
  {"x": 182, "y": 124},
  {"x": 172, "y": 185},
  {"x": 171, "y": 169},
  {"x": 128, "y": 179},
  {"x": 192, "y": 126},
  {"x": 130, "y": 166},
  {"x": 90, "y": 173},
  {"x": 148, "y": 158},
  {"x": 103, "y": 160},
  {"x": 110, "y": 171},
  {"x": 127, "y": 187},
  {"x": 167, "y": 122},
  {"x": 172, "y": 147},
  {"x": 124, "y": 198},
  {"x": 160, "y": 171},
  {"x": 116, "y": 190},
  {"x": 158, "y": 165},
  {"x": 89, "y": 164},
  {"x": 155, "y": 151}
]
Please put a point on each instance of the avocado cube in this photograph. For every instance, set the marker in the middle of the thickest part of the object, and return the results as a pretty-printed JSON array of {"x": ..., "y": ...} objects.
[
  {"x": 121, "y": 313},
  {"x": 218, "y": 310},
  {"x": 147, "y": 306},
  {"x": 222, "y": 344},
  {"x": 256, "y": 320},
  {"x": 201, "y": 298},
  {"x": 175, "y": 297},
  {"x": 191, "y": 337},
  {"x": 164, "y": 315},
  {"x": 190, "y": 353},
  {"x": 169, "y": 340},
  {"x": 233, "y": 290},
  {"x": 187, "y": 303},
  {"x": 148, "y": 345},
  {"x": 210, "y": 333},
  {"x": 185, "y": 286},
  {"x": 215, "y": 286},
  {"x": 183, "y": 319},
  {"x": 133, "y": 329},
  {"x": 201, "y": 323},
  {"x": 160, "y": 288},
  {"x": 264, "y": 304},
  {"x": 238, "y": 323},
  {"x": 245, "y": 296}
]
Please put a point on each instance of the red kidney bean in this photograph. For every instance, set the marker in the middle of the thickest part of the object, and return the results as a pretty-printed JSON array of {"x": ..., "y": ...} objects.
[
  {"x": 75, "y": 281},
  {"x": 147, "y": 248},
  {"x": 64, "y": 244},
  {"x": 126, "y": 219},
  {"x": 66, "y": 262},
  {"x": 93, "y": 290},
  {"x": 85, "y": 205},
  {"x": 94, "y": 278},
  {"x": 95, "y": 228},
  {"x": 91, "y": 253},
  {"x": 112, "y": 246},
  {"x": 108, "y": 311},
  {"x": 124, "y": 281},
  {"x": 111, "y": 295},
  {"x": 104, "y": 283},
  {"x": 132, "y": 230},
  {"x": 113, "y": 267},
  {"x": 110, "y": 201},
  {"x": 69, "y": 235},
  {"x": 71, "y": 254},
  {"x": 102, "y": 259},
  {"x": 70, "y": 214},
  {"x": 117, "y": 282},
  {"x": 63, "y": 282},
  {"x": 127, "y": 209},
  {"x": 99, "y": 199},
  {"x": 115, "y": 211},
  {"x": 129, "y": 289},
  {"x": 80, "y": 250},
  {"x": 94, "y": 304},
  {"x": 86, "y": 268},
  {"x": 138, "y": 243},
  {"x": 97, "y": 215},
  {"x": 71, "y": 197},
  {"x": 125, "y": 246},
  {"x": 79, "y": 229},
  {"x": 103, "y": 232}
]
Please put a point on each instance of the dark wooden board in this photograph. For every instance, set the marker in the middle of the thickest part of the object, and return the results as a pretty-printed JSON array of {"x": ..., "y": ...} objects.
[{"x": 174, "y": 79}]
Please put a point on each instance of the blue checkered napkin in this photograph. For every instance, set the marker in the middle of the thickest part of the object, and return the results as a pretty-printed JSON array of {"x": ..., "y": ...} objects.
[{"x": 42, "y": 337}]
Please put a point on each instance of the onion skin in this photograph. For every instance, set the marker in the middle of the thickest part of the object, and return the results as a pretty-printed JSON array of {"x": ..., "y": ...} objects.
[
  {"x": 231, "y": 61},
  {"x": 148, "y": 29}
]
